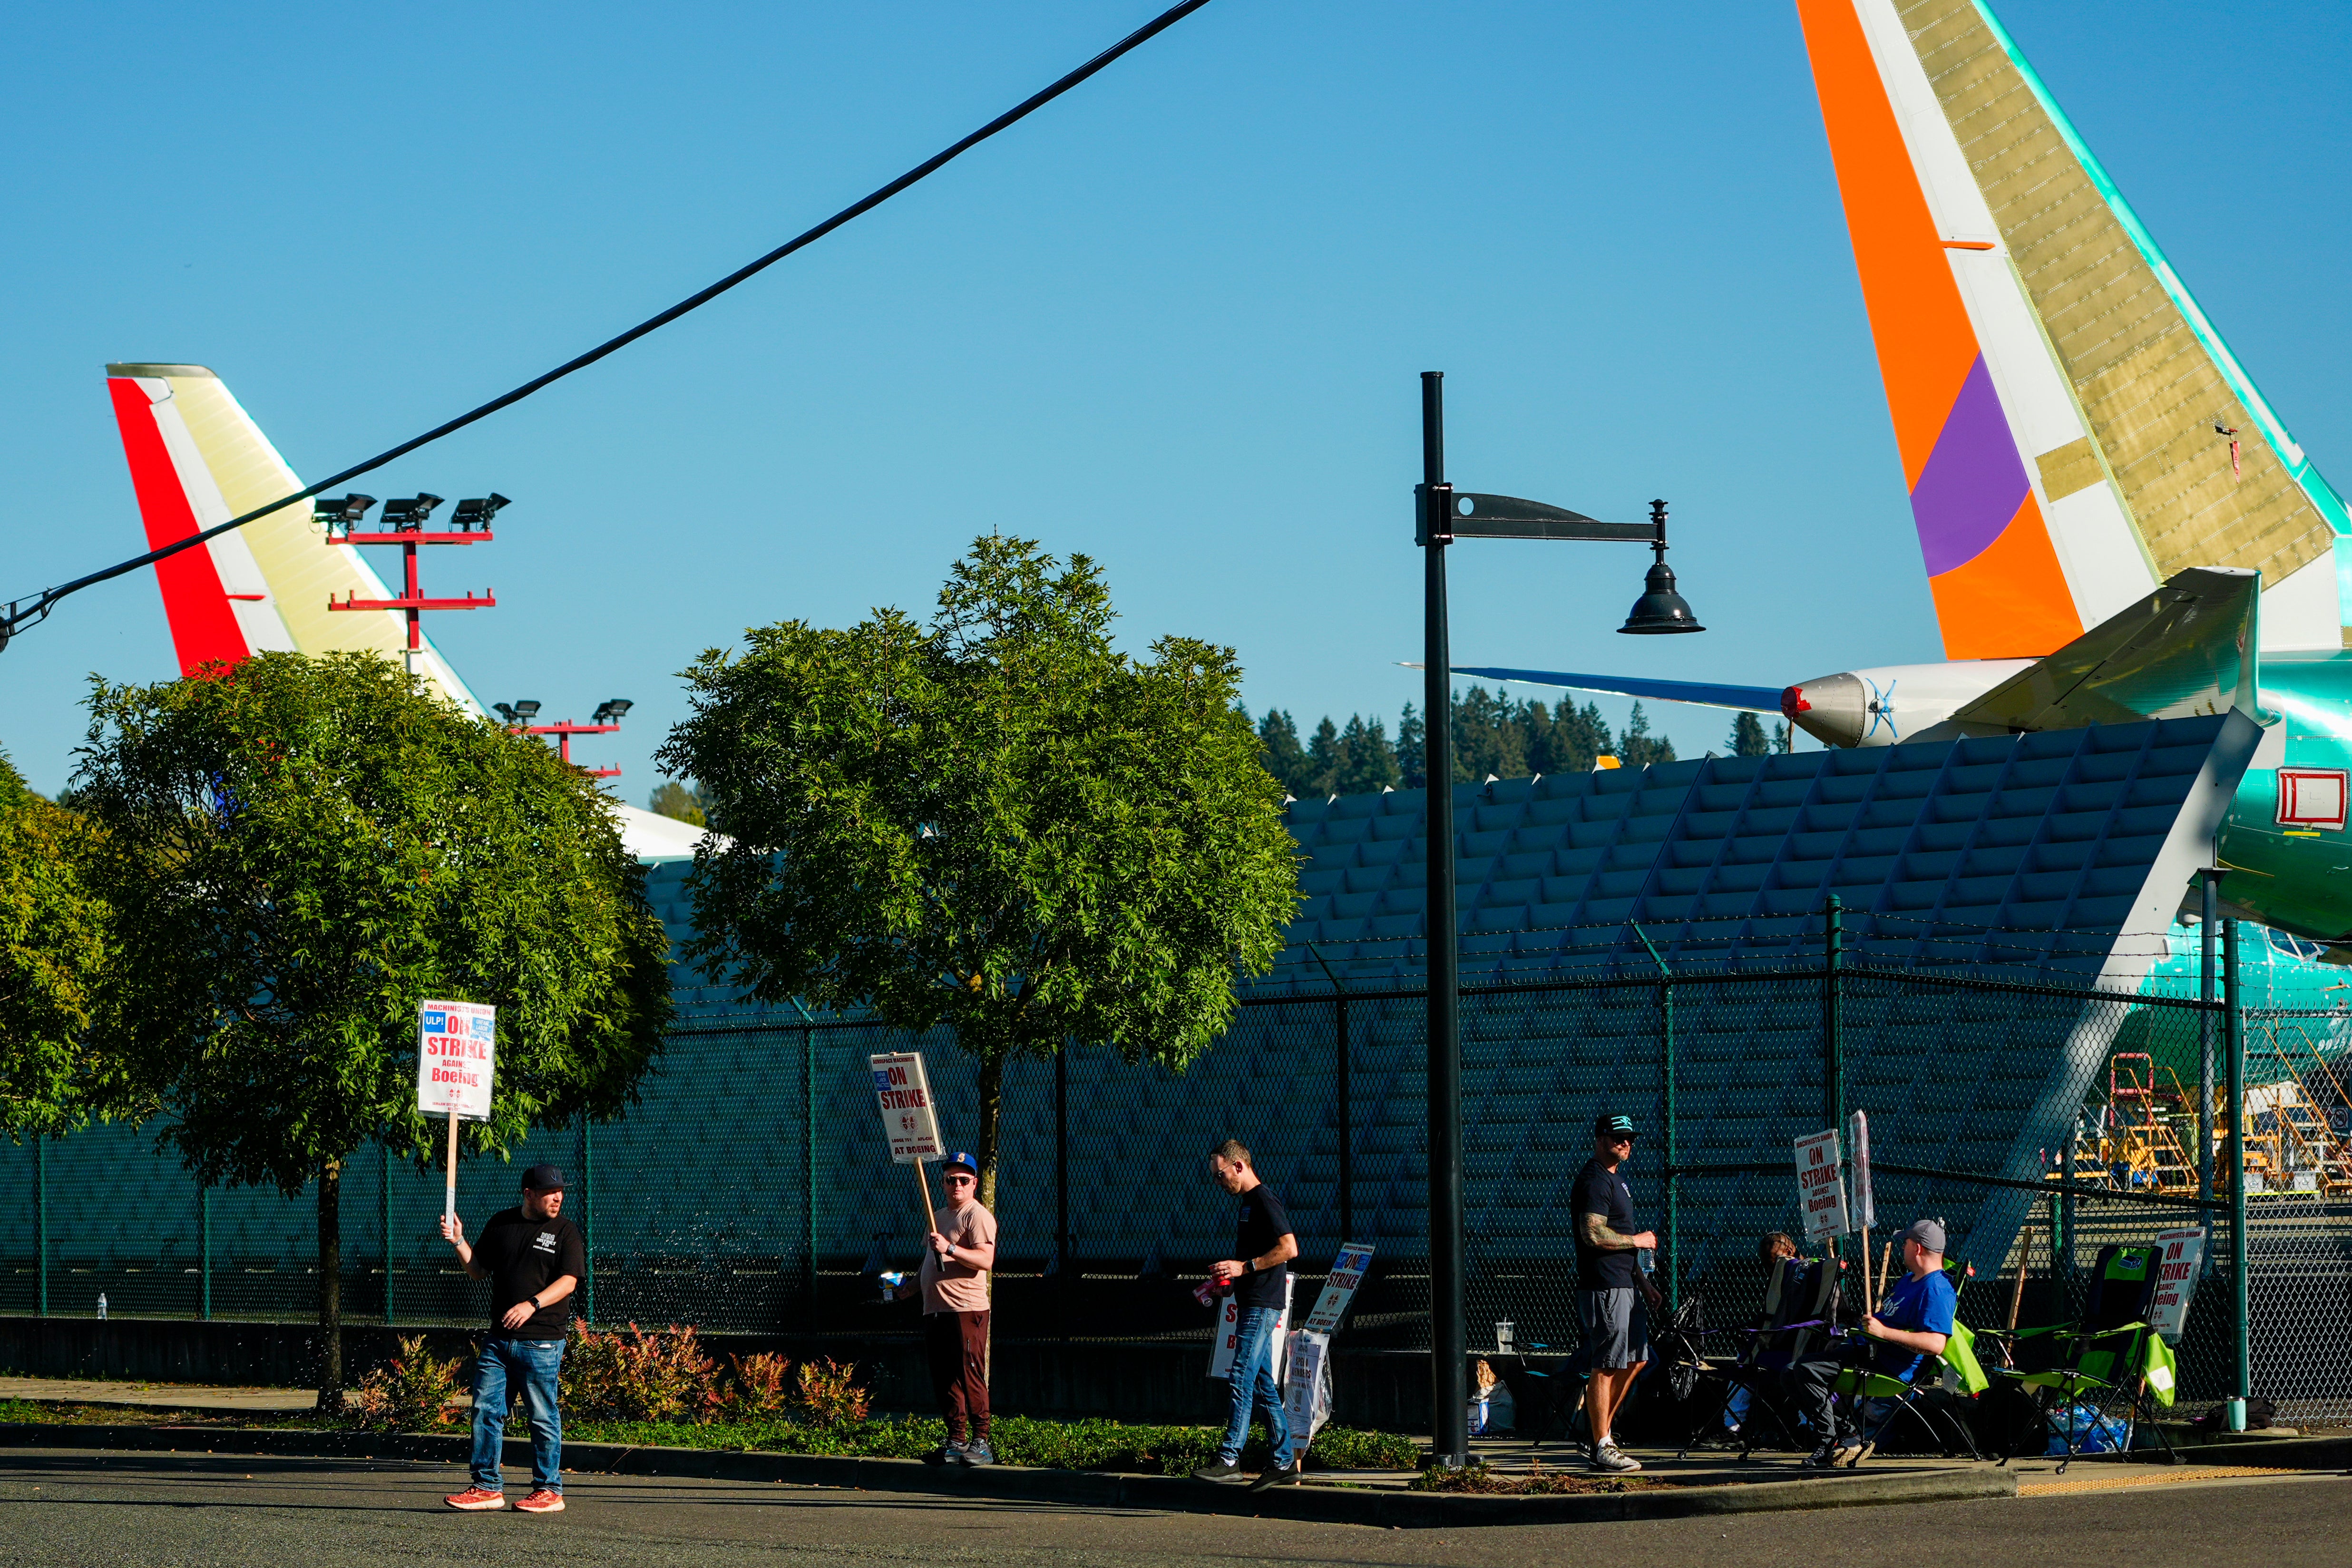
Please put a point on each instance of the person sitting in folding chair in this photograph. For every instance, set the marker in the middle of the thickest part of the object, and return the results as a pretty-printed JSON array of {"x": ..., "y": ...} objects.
[{"x": 1912, "y": 1323}]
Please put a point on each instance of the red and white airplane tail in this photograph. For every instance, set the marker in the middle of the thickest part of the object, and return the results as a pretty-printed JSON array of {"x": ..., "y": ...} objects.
[{"x": 197, "y": 459}]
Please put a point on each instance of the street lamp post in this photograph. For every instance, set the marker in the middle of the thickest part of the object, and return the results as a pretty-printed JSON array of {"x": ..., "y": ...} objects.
[{"x": 1442, "y": 515}]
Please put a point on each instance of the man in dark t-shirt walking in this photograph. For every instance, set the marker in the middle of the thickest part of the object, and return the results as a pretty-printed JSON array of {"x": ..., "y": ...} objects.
[
  {"x": 533, "y": 1257},
  {"x": 1260, "y": 1276},
  {"x": 1608, "y": 1278}
]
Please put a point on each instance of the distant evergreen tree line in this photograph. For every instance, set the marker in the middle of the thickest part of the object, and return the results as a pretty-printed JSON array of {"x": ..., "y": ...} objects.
[{"x": 1493, "y": 735}]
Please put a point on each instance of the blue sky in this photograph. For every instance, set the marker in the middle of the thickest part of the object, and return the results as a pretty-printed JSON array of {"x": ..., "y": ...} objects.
[{"x": 1174, "y": 320}]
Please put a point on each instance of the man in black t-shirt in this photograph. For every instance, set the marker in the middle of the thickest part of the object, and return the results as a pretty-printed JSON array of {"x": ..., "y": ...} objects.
[
  {"x": 533, "y": 1257},
  {"x": 1260, "y": 1276},
  {"x": 1608, "y": 1278}
]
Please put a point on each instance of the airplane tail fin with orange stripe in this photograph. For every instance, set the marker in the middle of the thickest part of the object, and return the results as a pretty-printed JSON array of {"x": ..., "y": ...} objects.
[{"x": 2072, "y": 430}]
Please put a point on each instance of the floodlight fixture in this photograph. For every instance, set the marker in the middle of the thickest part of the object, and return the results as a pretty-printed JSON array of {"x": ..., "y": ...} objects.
[
  {"x": 613, "y": 712},
  {"x": 342, "y": 512},
  {"x": 525, "y": 711},
  {"x": 478, "y": 511},
  {"x": 411, "y": 512}
]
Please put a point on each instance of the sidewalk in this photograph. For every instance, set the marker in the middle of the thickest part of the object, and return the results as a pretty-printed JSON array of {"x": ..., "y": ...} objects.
[
  {"x": 1707, "y": 1483},
  {"x": 165, "y": 1397}
]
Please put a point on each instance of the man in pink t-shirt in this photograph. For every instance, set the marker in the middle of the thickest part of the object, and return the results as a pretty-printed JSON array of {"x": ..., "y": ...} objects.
[{"x": 954, "y": 1285}]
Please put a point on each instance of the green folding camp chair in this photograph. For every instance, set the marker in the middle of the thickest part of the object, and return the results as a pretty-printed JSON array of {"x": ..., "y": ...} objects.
[
  {"x": 2107, "y": 1357},
  {"x": 1936, "y": 1387}
]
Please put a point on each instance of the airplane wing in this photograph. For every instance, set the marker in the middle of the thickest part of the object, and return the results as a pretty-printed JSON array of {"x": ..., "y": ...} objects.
[{"x": 1705, "y": 694}]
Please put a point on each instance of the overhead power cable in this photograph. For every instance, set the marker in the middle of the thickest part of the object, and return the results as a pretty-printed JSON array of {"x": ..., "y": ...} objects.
[{"x": 38, "y": 608}]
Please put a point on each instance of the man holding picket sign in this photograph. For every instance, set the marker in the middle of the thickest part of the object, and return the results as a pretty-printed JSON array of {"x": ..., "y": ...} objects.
[
  {"x": 1260, "y": 1280},
  {"x": 958, "y": 1253}
]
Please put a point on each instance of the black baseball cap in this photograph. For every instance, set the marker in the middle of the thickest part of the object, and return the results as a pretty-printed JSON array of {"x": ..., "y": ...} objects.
[
  {"x": 545, "y": 1179},
  {"x": 1614, "y": 1127}
]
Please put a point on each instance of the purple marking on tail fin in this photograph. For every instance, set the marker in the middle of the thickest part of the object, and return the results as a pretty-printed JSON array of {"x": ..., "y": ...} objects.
[{"x": 1973, "y": 483}]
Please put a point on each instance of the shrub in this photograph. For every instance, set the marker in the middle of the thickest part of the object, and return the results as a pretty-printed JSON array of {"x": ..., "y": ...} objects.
[
  {"x": 829, "y": 1395},
  {"x": 759, "y": 1388},
  {"x": 1348, "y": 1448},
  {"x": 411, "y": 1393},
  {"x": 639, "y": 1376}
]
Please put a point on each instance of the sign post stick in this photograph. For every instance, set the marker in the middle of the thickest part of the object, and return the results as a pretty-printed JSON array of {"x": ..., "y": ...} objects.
[
  {"x": 449, "y": 1199},
  {"x": 923, "y": 1185},
  {"x": 1869, "y": 1295},
  {"x": 1885, "y": 1267}
]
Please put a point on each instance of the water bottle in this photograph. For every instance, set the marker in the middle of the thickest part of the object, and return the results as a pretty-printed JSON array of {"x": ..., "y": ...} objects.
[
  {"x": 102, "y": 1306},
  {"x": 1645, "y": 1259},
  {"x": 1504, "y": 1340}
]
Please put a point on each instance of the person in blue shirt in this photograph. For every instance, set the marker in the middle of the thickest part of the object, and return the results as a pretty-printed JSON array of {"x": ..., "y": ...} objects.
[{"x": 1913, "y": 1322}]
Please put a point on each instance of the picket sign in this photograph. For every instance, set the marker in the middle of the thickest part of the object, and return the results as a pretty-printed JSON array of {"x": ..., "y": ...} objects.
[
  {"x": 1821, "y": 1186},
  {"x": 910, "y": 1120},
  {"x": 1229, "y": 1334},
  {"x": 1857, "y": 1138},
  {"x": 456, "y": 1054},
  {"x": 1307, "y": 1391},
  {"x": 2178, "y": 1254}
]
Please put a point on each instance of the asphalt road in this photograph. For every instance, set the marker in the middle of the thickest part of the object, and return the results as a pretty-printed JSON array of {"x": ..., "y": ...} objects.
[{"x": 67, "y": 1509}]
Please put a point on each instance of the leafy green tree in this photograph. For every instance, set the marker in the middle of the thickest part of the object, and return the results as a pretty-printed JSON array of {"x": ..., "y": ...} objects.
[
  {"x": 1748, "y": 738},
  {"x": 995, "y": 823},
  {"x": 298, "y": 851},
  {"x": 680, "y": 801},
  {"x": 1281, "y": 755},
  {"x": 54, "y": 934}
]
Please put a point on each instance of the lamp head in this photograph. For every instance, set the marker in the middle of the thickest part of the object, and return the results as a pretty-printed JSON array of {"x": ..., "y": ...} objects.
[
  {"x": 505, "y": 711},
  {"x": 341, "y": 512},
  {"x": 1660, "y": 610},
  {"x": 477, "y": 512},
  {"x": 526, "y": 711},
  {"x": 613, "y": 712},
  {"x": 411, "y": 512}
]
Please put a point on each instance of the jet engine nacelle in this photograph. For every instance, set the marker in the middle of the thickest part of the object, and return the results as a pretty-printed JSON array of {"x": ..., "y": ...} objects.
[{"x": 1890, "y": 703}]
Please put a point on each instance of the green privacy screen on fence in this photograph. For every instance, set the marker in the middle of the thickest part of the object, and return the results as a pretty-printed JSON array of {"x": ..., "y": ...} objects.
[{"x": 2005, "y": 901}]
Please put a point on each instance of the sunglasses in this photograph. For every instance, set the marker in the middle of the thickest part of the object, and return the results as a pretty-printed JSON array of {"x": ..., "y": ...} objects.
[{"x": 959, "y": 1181}]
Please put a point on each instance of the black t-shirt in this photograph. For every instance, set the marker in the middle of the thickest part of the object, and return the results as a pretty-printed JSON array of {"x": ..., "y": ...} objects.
[
  {"x": 1600, "y": 1190},
  {"x": 524, "y": 1257},
  {"x": 1265, "y": 1221}
]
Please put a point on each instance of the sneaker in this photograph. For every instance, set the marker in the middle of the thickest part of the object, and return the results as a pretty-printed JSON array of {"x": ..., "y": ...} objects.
[
  {"x": 956, "y": 1454},
  {"x": 1285, "y": 1478},
  {"x": 976, "y": 1453},
  {"x": 1217, "y": 1470},
  {"x": 1861, "y": 1449},
  {"x": 1823, "y": 1458},
  {"x": 1611, "y": 1457},
  {"x": 541, "y": 1501},
  {"x": 476, "y": 1500}
]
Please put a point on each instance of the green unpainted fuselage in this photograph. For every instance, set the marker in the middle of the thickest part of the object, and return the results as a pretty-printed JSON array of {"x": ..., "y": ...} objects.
[{"x": 2297, "y": 879}]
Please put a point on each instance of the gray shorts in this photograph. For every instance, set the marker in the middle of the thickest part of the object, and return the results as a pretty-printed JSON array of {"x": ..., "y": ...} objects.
[{"x": 1616, "y": 1329}]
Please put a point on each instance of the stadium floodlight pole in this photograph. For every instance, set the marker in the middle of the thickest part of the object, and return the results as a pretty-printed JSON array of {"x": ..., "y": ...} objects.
[{"x": 1442, "y": 515}]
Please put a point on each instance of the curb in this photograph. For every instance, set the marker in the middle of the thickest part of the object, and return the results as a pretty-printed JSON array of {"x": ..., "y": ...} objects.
[{"x": 1385, "y": 1507}]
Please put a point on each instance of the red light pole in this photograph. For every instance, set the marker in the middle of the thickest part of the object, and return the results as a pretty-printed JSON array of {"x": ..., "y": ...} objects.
[{"x": 404, "y": 526}]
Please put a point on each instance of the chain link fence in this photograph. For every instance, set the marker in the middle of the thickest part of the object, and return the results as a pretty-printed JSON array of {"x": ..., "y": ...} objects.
[{"x": 750, "y": 1191}]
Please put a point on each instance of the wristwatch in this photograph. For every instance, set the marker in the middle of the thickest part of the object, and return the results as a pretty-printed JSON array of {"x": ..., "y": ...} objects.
[{"x": 1249, "y": 1265}]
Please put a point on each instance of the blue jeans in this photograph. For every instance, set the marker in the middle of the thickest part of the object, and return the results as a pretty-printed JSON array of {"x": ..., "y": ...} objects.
[
  {"x": 532, "y": 1362},
  {"x": 1252, "y": 1384}
]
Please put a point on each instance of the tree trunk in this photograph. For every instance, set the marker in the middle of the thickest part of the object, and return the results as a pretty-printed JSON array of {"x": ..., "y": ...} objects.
[
  {"x": 330, "y": 1286},
  {"x": 992, "y": 1113}
]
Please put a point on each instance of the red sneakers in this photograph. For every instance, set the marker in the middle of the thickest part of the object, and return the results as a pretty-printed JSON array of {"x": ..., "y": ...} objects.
[
  {"x": 541, "y": 1501},
  {"x": 475, "y": 1500}
]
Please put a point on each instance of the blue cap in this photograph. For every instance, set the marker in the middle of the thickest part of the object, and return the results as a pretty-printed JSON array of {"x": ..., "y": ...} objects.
[{"x": 961, "y": 1158}]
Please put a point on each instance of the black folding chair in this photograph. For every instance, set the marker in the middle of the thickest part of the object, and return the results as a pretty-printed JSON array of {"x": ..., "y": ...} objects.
[{"x": 1801, "y": 1302}]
